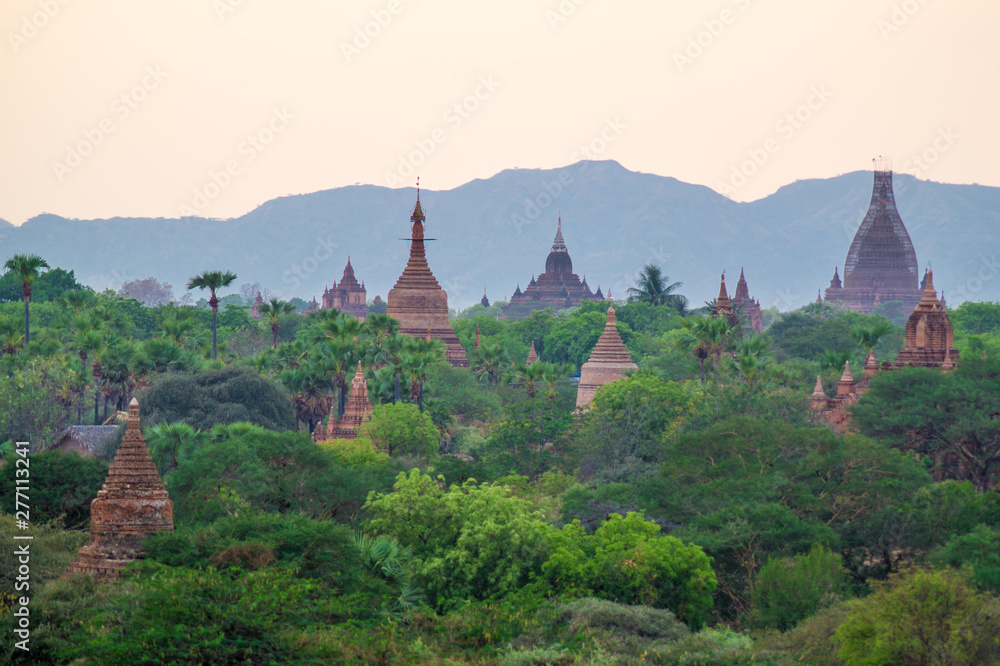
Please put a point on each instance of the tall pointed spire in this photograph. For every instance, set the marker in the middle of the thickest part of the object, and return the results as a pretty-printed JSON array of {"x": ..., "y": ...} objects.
[
  {"x": 532, "y": 354},
  {"x": 418, "y": 302},
  {"x": 558, "y": 245}
]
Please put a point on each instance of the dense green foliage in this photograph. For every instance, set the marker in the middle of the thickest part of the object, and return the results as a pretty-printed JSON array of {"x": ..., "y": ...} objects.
[{"x": 695, "y": 513}]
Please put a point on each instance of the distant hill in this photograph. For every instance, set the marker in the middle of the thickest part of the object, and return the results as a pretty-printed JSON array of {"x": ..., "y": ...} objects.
[{"x": 496, "y": 233}]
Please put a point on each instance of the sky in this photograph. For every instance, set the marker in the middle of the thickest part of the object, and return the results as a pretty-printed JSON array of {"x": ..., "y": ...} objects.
[{"x": 212, "y": 107}]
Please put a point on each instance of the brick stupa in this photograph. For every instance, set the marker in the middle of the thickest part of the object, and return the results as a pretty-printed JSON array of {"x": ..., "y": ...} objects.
[
  {"x": 418, "y": 302},
  {"x": 357, "y": 412},
  {"x": 132, "y": 505},
  {"x": 607, "y": 363},
  {"x": 930, "y": 337},
  {"x": 881, "y": 264}
]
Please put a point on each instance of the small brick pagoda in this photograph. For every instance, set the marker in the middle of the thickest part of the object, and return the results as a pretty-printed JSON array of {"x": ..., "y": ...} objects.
[
  {"x": 881, "y": 264},
  {"x": 357, "y": 412},
  {"x": 347, "y": 295},
  {"x": 558, "y": 287},
  {"x": 418, "y": 302},
  {"x": 255, "y": 308},
  {"x": 132, "y": 505},
  {"x": 532, "y": 354},
  {"x": 930, "y": 336},
  {"x": 607, "y": 363}
]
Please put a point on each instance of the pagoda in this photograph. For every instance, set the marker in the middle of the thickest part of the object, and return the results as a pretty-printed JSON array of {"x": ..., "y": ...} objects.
[
  {"x": 357, "y": 412},
  {"x": 881, "y": 265},
  {"x": 347, "y": 295},
  {"x": 746, "y": 308},
  {"x": 724, "y": 306},
  {"x": 929, "y": 341},
  {"x": 132, "y": 505},
  {"x": 418, "y": 302},
  {"x": 255, "y": 308},
  {"x": 558, "y": 287},
  {"x": 607, "y": 363}
]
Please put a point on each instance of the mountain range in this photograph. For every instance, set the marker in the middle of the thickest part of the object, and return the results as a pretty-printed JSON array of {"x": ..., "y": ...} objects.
[{"x": 495, "y": 233}]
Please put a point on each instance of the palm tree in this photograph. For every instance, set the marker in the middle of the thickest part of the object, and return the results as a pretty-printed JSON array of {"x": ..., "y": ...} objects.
[
  {"x": 272, "y": 312},
  {"x": 27, "y": 268},
  {"x": 308, "y": 387},
  {"x": 337, "y": 358},
  {"x": 868, "y": 335},
  {"x": 213, "y": 281},
  {"x": 528, "y": 375},
  {"x": 833, "y": 360},
  {"x": 490, "y": 361},
  {"x": 415, "y": 357},
  {"x": 705, "y": 337},
  {"x": 170, "y": 442},
  {"x": 655, "y": 288},
  {"x": 11, "y": 338}
]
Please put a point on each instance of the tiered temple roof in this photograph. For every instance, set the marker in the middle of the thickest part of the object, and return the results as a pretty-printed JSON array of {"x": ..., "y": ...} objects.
[
  {"x": 881, "y": 264},
  {"x": 558, "y": 287},
  {"x": 132, "y": 505},
  {"x": 747, "y": 308},
  {"x": 418, "y": 302},
  {"x": 532, "y": 354},
  {"x": 357, "y": 412},
  {"x": 930, "y": 337},
  {"x": 607, "y": 363},
  {"x": 348, "y": 295}
]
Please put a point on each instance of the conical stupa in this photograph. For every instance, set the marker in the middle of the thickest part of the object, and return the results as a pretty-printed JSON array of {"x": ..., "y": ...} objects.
[
  {"x": 132, "y": 505},
  {"x": 532, "y": 354},
  {"x": 607, "y": 363},
  {"x": 418, "y": 302},
  {"x": 357, "y": 411},
  {"x": 881, "y": 264}
]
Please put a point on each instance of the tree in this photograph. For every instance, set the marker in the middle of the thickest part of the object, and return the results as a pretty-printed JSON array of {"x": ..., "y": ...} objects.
[
  {"x": 627, "y": 561},
  {"x": 11, "y": 335},
  {"x": 169, "y": 443},
  {"x": 788, "y": 590},
  {"x": 952, "y": 417},
  {"x": 213, "y": 281},
  {"x": 705, "y": 338},
  {"x": 922, "y": 616},
  {"x": 655, "y": 288},
  {"x": 26, "y": 269},
  {"x": 473, "y": 541},
  {"x": 228, "y": 395},
  {"x": 62, "y": 484},
  {"x": 309, "y": 387},
  {"x": 868, "y": 335},
  {"x": 272, "y": 312},
  {"x": 489, "y": 362},
  {"x": 148, "y": 291},
  {"x": 401, "y": 429}
]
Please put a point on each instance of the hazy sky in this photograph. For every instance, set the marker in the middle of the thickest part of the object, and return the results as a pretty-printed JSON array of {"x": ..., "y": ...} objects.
[{"x": 211, "y": 107}]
